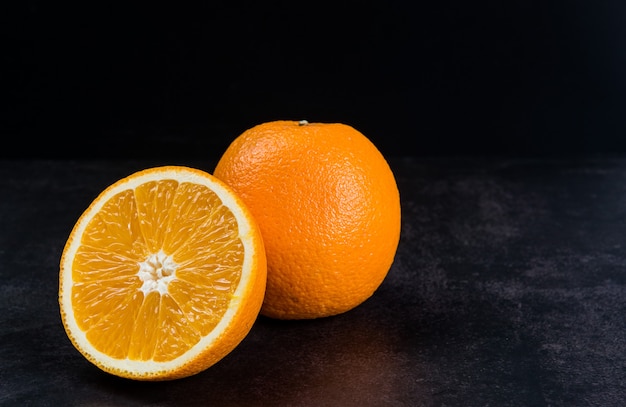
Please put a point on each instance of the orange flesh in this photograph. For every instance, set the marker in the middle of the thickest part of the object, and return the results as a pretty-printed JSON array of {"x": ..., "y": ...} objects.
[{"x": 125, "y": 317}]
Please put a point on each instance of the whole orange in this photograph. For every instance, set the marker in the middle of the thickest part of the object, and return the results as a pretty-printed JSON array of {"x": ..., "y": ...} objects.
[{"x": 328, "y": 207}]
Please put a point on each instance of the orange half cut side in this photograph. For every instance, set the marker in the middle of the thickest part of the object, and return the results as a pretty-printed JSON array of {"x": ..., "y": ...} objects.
[{"x": 163, "y": 275}]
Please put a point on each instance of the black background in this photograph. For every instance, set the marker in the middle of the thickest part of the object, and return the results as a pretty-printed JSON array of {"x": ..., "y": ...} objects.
[
  {"x": 503, "y": 122},
  {"x": 420, "y": 78}
]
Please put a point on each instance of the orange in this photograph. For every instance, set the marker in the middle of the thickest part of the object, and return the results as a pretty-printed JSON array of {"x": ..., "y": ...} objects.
[
  {"x": 328, "y": 207},
  {"x": 162, "y": 276}
]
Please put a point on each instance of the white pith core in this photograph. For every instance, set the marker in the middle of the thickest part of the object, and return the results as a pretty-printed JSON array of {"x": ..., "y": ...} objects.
[{"x": 156, "y": 272}]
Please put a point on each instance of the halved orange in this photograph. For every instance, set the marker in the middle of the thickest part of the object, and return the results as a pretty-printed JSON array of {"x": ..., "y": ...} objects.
[{"x": 163, "y": 275}]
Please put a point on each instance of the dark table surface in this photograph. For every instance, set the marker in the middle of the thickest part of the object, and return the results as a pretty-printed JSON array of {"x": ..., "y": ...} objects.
[{"x": 508, "y": 289}]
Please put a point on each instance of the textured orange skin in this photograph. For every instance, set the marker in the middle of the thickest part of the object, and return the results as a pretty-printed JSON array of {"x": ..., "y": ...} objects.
[{"x": 328, "y": 208}]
